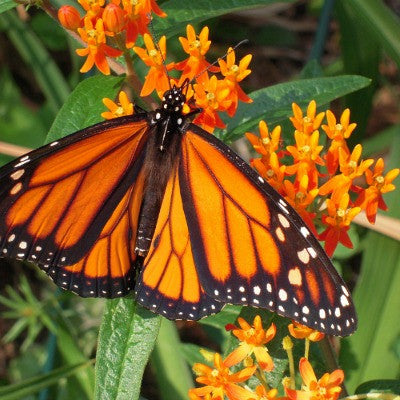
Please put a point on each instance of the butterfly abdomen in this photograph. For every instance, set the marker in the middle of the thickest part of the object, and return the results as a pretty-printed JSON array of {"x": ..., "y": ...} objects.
[{"x": 161, "y": 155}]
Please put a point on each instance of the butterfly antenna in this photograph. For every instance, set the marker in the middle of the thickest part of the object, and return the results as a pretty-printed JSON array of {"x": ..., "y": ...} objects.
[
  {"x": 216, "y": 61},
  {"x": 156, "y": 40}
]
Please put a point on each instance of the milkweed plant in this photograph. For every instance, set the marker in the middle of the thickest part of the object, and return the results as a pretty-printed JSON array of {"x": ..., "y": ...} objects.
[{"x": 300, "y": 136}]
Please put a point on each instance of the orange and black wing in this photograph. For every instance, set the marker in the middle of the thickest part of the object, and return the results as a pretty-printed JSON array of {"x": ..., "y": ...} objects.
[
  {"x": 249, "y": 246},
  {"x": 169, "y": 283},
  {"x": 69, "y": 206}
]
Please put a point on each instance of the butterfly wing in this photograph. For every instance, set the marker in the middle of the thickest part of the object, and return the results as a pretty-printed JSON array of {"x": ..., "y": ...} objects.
[
  {"x": 66, "y": 206},
  {"x": 249, "y": 246},
  {"x": 169, "y": 283}
]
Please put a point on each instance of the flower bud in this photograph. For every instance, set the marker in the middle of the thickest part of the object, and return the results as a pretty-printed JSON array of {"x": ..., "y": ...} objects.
[
  {"x": 114, "y": 18},
  {"x": 69, "y": 18}
]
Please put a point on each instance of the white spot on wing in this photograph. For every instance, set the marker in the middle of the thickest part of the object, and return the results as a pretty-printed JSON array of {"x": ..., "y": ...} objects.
[
  {"x": 283, "y": 220},
  {"x": 304, "y": 256},
  {"x": 282, "y": 295},
  {"x": 312, "y": 252},
  {"x": 304, "y": 231},
  {"x": 344, "y": 301}
]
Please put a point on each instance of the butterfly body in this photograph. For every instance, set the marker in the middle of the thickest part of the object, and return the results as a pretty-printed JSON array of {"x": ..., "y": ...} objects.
[{"x": 154, "y": 204}]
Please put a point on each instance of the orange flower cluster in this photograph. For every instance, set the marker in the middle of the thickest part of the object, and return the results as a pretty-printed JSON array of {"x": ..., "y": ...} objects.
[
  {"x": 117, "y": 23},
  {"x": 343, "y": 169},
  {"x": 219, "y": 382},
  {"x": 209, "y": 93}
]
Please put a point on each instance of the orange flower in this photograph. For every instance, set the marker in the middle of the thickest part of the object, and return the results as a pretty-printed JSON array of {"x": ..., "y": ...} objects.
[
  {"x": 234, "y": 74},
  {"x": 349, "y": 168},
  {"x": 220, "y": 381},
  {"x": 299, "y": 331},
  {"x": 371, "y": 198},
  {"x": 271, "y": 170},
  {"x": 338, "y": 223},
  {"x": 268, "y": 142},
  {"x": 211, "y": 96},
  {"x": 123, "y": 107},
  {"x": 93, "y": 8},
  {"x": 114, "y": 18},
  {"x": 156, "y": 78},
  {"x": 338, "y": 133},
  {"x": 326, "y": 388},
  {"x": 97, "y": 49},
  {"x": 305, "y": 156},
  {"x": 196, "y": 47},
  {"x": 138, "y": 14},
  {"x": 300, "y": 197},
  {"x": 252, "y": 340},
  {"x": 69, "y": 17},
  {"x": 264, "y": 394},
  {"x": 308, "y": 123}
]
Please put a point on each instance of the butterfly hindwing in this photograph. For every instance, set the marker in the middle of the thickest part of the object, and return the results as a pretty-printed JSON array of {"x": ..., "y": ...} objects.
[
  {"x": 169, "y": 283},
  {"x": 57, "y": 201},
  {"x": 249, "y": 246}
]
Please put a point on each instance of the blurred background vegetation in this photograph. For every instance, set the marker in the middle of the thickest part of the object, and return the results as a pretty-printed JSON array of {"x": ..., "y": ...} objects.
[{"x": 48, "y": 337}]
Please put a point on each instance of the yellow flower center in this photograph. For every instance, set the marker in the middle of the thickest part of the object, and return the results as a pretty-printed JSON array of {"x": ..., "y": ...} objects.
[
  {"x": 234, "y": 68},
  {"x": 119, "y": 111},
  {"x": 306, "y": 120},
  {"x": 352, "y": 164},
  {"x": 270, "y": 173},
  {"x": 299, "y": 197},
  {"x": 306, "y": 149},
  {"x": 340, "y": 213},
  {"x": 134, "y": 2},
  {"x": 195, "y": 44},
  {"x": 153, "y": 53},
  {"x": 380, "y": 179},
  {"x": 339, "y": 127},
  {"x": 92, "y": 33},
  {"x": 214, "y": 373},
  {"x": 265, "y": 141},
  {"x": 210, "y": 96}
]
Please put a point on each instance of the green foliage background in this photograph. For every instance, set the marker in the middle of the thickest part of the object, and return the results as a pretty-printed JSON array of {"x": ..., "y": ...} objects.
[{"x": 55, "y": 333}]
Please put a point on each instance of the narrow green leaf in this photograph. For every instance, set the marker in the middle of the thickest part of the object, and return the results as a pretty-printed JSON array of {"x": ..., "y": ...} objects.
[
  {"x": 380, "y": 386},
  {"x": 378, "y": 19},
  {"x": 71, "y": 354},
  {"x": 274, "y": 103},
  {"x": 172, "y": 372},
  {"x": 200, "y": 10},
  {"x": 361, "y": 54},
  {"x": 33, "y": 385},
  {"x": 126, "y": 339},
  {"x": 7, "y": 5},
  {"x": 377, "y": 301},
  {"x": 84, "y": 106},
  {"x": 45, "y": 70}
]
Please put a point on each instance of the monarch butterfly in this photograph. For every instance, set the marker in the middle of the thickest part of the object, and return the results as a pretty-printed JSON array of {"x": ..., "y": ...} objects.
[{"x": 154, "y": 204}]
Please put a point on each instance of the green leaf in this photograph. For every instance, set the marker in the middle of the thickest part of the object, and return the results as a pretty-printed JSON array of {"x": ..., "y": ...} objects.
[
  {"x": 377, "y": 300},
  {"x": 84, "y": 106},
  {"x": 274, "y": 103},
  {"x": 197, "y": 11},
  {"x": 29, "y": 386},
  {"x": 126, "y": 339},
  {"x": 361, "y": 55},
  {"x": 379, "y": 20},
  {"x": 379, "y": 386},
  {"x": 7, "y": 5},
  {"x": 45, "y": 70},
  {"x": 173, "y": 375}
]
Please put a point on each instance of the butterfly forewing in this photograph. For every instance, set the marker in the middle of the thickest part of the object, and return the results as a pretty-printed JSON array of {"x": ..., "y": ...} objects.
[
  {"x": 57, "y": 201},
  {"x": 250, "y": 247}
]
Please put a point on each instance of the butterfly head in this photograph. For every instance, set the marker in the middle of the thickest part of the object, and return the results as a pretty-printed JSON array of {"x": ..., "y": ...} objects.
[{"x": 173, "y": 100}]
